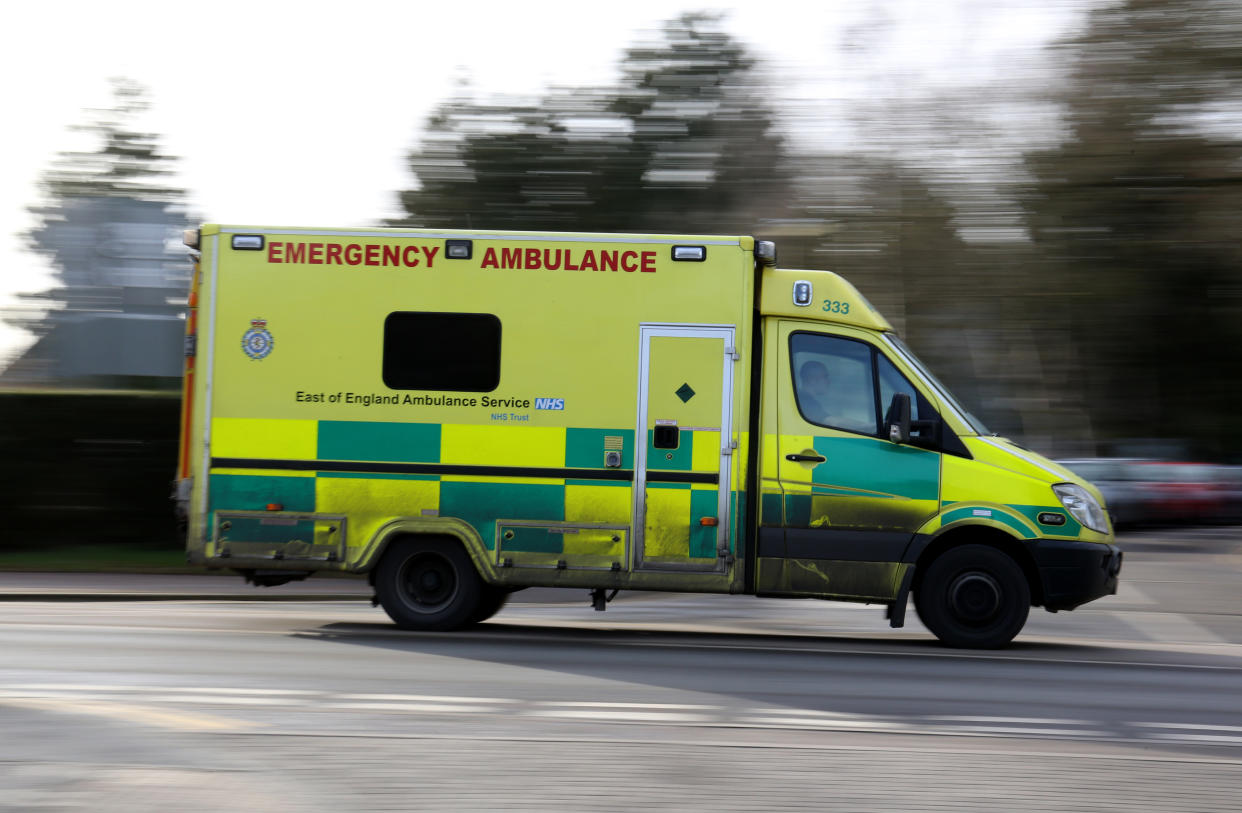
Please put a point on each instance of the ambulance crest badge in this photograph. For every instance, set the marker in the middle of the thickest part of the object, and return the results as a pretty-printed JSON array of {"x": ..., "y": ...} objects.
[{"x": 257, "y": 342}]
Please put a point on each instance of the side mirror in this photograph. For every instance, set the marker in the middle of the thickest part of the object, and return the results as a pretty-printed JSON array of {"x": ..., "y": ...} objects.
[{"x": 898, "y": 418}]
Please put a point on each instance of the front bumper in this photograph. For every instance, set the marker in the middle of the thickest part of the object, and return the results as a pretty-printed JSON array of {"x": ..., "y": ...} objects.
[{"x": 1074, "y": 573}]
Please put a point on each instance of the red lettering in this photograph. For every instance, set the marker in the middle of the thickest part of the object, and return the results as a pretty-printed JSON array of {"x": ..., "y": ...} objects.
[
  {"x": 532, "y": 259},
  {"x": 372, "y": 254},
  {"x": 410, "y": 262},
  {"x": 392, "y": 255},
  {"x": 316, "y": 254},
  {"x": 295, "y": 252},
  {"x": 569, "y": 266},
  {"x": 608, "y": 261},
  {"x": 489, "y": 258},
  {"x": 511, "y": 258},
  {"x": 547, "y": 259},
  {"x": 629, "y": 261},
  {"x": 334, "y": 254},
  {"x": 273, "y": 253},
  {"x": 353, "y": 253},
  {"x": 588, "y": 261},
  {"x": 430, "y": 252},
  {"x": 648, "y": 262}
]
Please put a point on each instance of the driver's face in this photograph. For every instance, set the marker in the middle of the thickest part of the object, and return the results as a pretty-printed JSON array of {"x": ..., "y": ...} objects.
[{"x": 817, "y": 383}]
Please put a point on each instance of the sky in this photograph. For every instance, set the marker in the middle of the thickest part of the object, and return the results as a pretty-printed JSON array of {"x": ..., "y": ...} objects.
[{"x": 287, "y": 113}]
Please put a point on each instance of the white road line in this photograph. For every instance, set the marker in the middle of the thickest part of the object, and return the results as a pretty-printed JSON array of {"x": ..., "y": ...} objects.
[
  {"x": 1193, "y": 726},
  {"x": 105, "y": 687},
  {"x": 159, "y": 718},
  {"x": 857, "y": 724},
  {"x": 115, "y": 702},
  {"x": 223, "y": 700},
  {"x": 1217, "y": 739},
  {"x": 1035, "y": 720},
  {"x": 1058, "y": 732},
  {"x": 1167, "y": 627},
  {"x": 1129, "y": 593},
  {"x": 588, "y": 704},
  {"x": 434, "y": 708},
  {"x": 617, "y": 715},
  {"x": 432, "y": 698}
]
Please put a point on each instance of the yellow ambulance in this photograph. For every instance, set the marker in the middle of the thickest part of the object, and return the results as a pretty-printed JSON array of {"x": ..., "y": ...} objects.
[{"x": 462, "y": 414}]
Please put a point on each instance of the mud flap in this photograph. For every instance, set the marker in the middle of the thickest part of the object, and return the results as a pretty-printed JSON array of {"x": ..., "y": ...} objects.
[{"x": 896, "y": 612}]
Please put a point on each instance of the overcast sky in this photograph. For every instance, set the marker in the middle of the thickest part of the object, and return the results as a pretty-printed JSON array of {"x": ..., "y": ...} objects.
[{"x": 289, "y": 113}]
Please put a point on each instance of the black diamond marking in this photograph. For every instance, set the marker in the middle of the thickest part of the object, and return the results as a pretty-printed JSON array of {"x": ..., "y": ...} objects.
[{"x": 685, "y": 393}]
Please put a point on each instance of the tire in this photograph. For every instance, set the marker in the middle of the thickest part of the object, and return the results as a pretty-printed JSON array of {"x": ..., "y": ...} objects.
[
  {"x": 492, "y": 599},
  {"x": 974, "y": 597},
  {"x": 428, "y": 584}
]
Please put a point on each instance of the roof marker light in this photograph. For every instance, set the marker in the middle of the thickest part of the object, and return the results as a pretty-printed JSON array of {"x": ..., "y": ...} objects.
[
  {"x": 458, "y": 249},
  {"x": 248, "y": 242},
  {"x": 765, "y": 252},
  {"x": 693, "y": 254},
  {"x": 802, "y": 293},
  {"x": 190, "y": 237}
]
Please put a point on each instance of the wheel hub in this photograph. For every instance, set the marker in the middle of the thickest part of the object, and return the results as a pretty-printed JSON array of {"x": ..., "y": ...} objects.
[
  {"x": 975, "y": 597},
  {"x": 429, "y": 582}
]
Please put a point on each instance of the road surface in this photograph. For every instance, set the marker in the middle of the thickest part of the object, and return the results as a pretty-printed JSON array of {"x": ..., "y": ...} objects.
[{"x": 200, "y": 693}]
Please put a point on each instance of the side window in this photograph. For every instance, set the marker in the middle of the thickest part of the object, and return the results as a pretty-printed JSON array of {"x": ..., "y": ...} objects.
[
  {"x": 834, "y": 383},
  {"x": 459, "y": 352},
  {"x": 892, "y": 381}
]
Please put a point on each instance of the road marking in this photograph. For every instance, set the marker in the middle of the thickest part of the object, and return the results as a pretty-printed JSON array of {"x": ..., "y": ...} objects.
[
  {"x": 618, "y": 715},
  {"x": 1168, "y": 627},
  {"x": 1038, "y": 720},
  {"x": 856, "y": 724},
  {"x": 134, "y": 704},
  {"x": 435, "y": 708},
  {"x": 1130, "y": 593},
  {"x": 426, "y": 697},
  {"x": 1212, "y": 739},
  {"x": 679, "y": 706},
  {"x": 1195, "y": 726},
  {"x": 157, "y": 718}
]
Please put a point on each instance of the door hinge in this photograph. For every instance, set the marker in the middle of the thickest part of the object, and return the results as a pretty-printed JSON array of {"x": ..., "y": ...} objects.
[
  {"x": 728, "y": 450},
  {"x": 732, "y": 353}
]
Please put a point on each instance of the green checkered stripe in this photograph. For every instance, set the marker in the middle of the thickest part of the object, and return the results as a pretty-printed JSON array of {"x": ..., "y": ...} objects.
[{"x": 481, "y": 504}]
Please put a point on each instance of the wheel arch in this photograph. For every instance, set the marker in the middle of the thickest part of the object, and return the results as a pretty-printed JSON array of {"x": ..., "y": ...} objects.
[
  {"x": 971, "y": 534},
  {"x": 445, "y": 529}
]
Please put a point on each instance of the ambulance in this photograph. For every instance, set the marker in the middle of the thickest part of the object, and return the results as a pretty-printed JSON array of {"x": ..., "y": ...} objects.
[{"x": 457, "y": 415}]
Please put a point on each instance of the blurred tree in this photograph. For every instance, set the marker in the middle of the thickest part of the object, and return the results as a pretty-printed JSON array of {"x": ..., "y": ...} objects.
[
  {"x": 1134, "y": 217},
  {"x": 683, "y": 144},
  {"x": 105, "y": 224}
]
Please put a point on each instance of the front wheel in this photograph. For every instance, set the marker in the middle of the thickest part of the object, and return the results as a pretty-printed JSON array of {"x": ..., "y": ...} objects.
[
  {"x": 428, "y": 584},
  {"x": 974, "y": 597}
]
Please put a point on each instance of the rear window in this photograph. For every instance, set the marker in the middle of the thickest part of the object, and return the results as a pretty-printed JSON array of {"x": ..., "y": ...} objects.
[{"x": 458, "y": 352}]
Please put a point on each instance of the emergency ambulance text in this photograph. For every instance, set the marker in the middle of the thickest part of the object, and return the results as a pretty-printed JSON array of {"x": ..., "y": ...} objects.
[
  {"x": 554, "y": 259},
  {"x": 351, "y": 254}
]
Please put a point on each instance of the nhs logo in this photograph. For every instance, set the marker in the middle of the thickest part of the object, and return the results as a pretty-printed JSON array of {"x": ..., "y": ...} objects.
[{"x": 549, "y": 403}]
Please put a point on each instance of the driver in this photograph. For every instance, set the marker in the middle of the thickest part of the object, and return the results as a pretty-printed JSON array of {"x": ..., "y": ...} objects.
[{"x": 813, "y": 391}]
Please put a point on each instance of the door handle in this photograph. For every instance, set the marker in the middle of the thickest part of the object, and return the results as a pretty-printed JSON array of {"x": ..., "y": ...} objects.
[{"x": 806, "y": 458}]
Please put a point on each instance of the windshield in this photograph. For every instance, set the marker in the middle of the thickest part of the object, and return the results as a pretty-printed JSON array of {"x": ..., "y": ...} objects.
[{"x": 946, "y": 397}]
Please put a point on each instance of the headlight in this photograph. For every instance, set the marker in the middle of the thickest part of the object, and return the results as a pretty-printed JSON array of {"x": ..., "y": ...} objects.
[{"x": 1082, "y": 506}]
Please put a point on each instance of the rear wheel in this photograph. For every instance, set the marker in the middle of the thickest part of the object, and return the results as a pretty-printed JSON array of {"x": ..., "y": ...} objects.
[
  {"x": 428, "y": 584},
  {"x": 974, "y": 597},
  {"x": 491, "y": 601}
]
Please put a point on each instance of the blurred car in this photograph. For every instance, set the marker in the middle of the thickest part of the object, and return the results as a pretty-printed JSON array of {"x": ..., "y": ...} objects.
[
  {"x": 1182, "y": 492},
  {"x": 1229, "y": 483},
  {"x": 1129, "y": 497}
]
